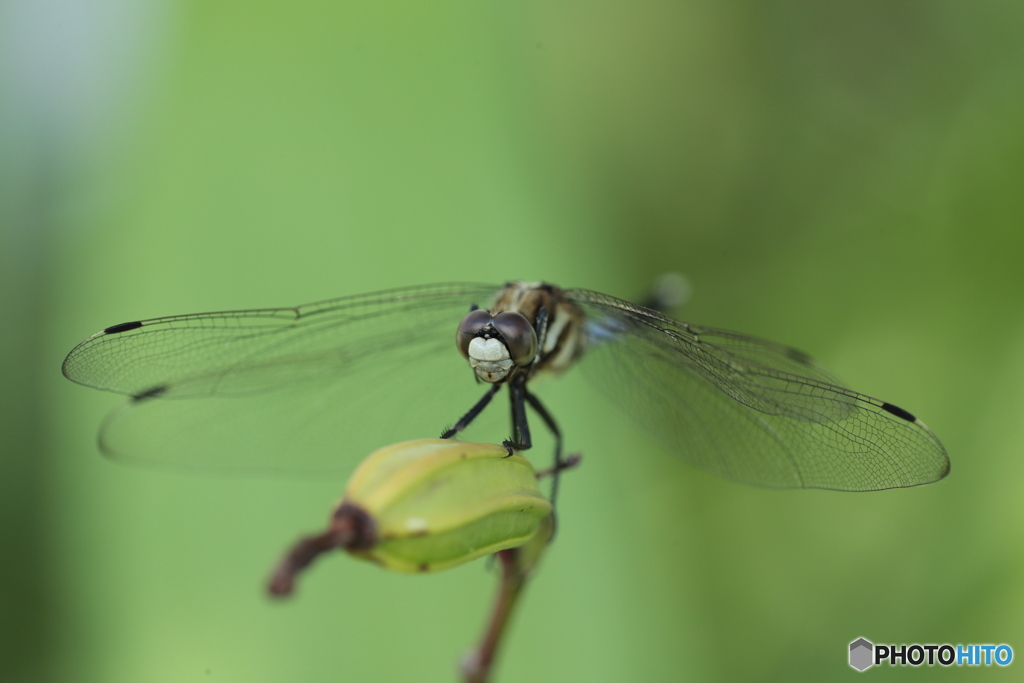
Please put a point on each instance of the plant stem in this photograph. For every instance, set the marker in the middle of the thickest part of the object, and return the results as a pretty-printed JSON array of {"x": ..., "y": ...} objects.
[{"x": 476, "y": 666}]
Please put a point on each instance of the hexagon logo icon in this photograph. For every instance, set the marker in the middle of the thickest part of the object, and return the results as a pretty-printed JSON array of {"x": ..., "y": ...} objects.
[{"x": 861, "y": 651}]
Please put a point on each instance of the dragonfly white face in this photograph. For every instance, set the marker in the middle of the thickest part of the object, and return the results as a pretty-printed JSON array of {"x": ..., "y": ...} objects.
[{"x": 529, "y": 327}]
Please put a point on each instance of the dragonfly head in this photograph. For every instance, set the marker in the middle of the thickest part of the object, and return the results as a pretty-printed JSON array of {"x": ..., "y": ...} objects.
[{"x": 496, "y": 344}]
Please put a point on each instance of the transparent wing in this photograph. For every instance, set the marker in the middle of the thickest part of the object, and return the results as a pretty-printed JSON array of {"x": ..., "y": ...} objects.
[
  {"x": 750, "y": 409},
  {"x": 306, "y": 388}
]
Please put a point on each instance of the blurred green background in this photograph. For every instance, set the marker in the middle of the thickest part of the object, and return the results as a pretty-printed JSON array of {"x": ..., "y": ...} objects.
[{"x": 843, "y": 177}]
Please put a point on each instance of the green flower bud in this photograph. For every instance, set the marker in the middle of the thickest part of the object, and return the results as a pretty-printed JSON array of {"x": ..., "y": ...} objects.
[
  {"x": 437, "y": 503},
  {"x": 428, "y": 505}
]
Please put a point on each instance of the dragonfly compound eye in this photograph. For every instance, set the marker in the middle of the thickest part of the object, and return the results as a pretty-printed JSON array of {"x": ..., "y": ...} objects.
[
  {"x": 469, "y": 328},
  {"x": 519, "y": 336}
]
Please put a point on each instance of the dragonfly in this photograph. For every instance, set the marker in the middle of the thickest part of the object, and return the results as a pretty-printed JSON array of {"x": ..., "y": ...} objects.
[{"x": 289, "y": 388}]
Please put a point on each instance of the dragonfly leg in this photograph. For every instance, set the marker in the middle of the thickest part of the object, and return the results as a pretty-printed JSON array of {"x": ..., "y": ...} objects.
[
  {"x": 471, "y": 415},
  {"x": 517, "y": 391},
  {"x": 520, "y": 427},
  {"x": 559, "y": 465}
]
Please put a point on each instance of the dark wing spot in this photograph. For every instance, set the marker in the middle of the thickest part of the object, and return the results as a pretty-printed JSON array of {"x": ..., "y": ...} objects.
[
  {"x": 123, "y": 327},
  {"x": 151, "y": 393},
  {"x": 898, "y": 412}
]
